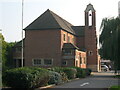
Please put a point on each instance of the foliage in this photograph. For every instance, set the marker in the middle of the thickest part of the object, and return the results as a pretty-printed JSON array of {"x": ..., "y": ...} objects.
[
  {"x": 88, "y": 71},
  {"x": 9, "y": 55},
  {"x": 6, "y": 50},
  {"x": 26, "y": 77},
  {"x": 57, "y": 69},
  {"x": 60, "y": 71},
  {"x": 55, "y": 78},
  {"x": 71, "y": 72},
  {"x": 117, "y": 76},
  {"x": 80, "y": 72},
  {"x": 114, "y": 88},
  {"x": 110, "y": 40},
  {"x": 3, "y": 46}
]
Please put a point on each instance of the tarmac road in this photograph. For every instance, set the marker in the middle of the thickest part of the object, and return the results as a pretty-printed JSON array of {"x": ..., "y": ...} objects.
[{"x": 97, "y": 80}]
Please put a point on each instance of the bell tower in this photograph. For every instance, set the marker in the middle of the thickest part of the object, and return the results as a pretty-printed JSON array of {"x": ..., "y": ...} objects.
[
  {"x": 91, "y": 38},
  {"x": 90, "y": 16}
]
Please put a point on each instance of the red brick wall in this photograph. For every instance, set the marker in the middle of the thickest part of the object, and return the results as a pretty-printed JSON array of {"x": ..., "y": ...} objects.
[
  {"x": 91, "y": 45},
  {"x": 66, "y": 41},
  {"x": 78, "y": 55},
  {"x": 42, "y": 44},
  {"x": 80, "y": 42}
]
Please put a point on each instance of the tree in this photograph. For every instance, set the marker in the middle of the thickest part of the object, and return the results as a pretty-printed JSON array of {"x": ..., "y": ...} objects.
[
  {"x": 9, "y": 55},
  {"x": 109, "y": 40},
  {"x": 3, "y": 46},
  {"x": 6, "y": 50}
]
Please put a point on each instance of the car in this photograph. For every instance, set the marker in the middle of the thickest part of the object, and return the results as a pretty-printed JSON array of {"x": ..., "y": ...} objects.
[{"x": 104, "y": 68}]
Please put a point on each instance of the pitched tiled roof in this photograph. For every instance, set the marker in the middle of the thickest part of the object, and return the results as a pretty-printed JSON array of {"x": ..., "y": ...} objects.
[
  {"x": 79, "y": 30},
  {"x": 69, "y": 45},
  {"x": 51, "y": 21}
]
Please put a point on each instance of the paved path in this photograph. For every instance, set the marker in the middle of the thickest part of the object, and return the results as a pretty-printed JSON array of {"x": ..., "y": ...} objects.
[{"x": 97, "y": 80}]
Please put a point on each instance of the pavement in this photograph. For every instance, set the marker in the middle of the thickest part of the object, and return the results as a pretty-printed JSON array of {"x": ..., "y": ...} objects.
[{"x": 96, "y": 80}]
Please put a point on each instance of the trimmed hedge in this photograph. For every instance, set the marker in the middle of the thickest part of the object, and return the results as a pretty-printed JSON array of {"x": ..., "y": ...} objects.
[
  {"x": 80, "y": 72},
  {"x": 88, "y": 71},
  {"x": 26, "y": 77},
  {"x": 70, "y": 72},
  {"x": 33, "y": 77},
  {"x": 66, "y": 72},
  {"x": 60, "y": 71},
  {"x": 55, "y": 78}
]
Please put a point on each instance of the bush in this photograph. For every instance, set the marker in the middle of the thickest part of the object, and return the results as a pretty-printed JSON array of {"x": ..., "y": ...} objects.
[
  {"x": 57, "y": 69},
  {"x": 70, "y": 72},
  {"x": 55, "y": 78},
  {"x": 26, "y": 77},
  {"x": 114, "y": 88},
  {"x": 60, "y": 71},
  {"x": 88, "y": 71},
  {"x": 80, "y": 72}
]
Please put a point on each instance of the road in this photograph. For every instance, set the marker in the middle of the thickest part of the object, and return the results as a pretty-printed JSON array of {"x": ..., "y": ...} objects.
[{"x": 96, "y": 80}]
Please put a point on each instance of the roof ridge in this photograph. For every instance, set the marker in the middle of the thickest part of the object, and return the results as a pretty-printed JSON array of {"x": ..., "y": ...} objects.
[
  {"x": 63, "y": 20},
  {"x": 51, "y": 12}
]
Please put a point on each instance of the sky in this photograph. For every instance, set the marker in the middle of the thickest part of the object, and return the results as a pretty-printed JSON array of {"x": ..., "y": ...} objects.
[{"x": 70, "y": 10}]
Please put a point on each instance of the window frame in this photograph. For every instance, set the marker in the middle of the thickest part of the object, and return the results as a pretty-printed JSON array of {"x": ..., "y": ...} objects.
[
  {"x": 69, "y": 39},
  {"x": 64, "y": 37},
  {"x": 33, "y": 62},
  {"x": 47, "y": 64},
  {"x": 66, "y": 63}
]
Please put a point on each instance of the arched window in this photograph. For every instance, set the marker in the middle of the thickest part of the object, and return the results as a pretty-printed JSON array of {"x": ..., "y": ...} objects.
[{"x": 90, "y": 17}]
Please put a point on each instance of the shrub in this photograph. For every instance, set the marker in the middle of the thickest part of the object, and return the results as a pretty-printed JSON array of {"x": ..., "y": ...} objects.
[
  {"x": 71, "y": 72},
  {"x": 55, "y": 78},
  {"x": 64, "y": 77},
  {"x": 57, "y": 69},
  {"x": 26, "y": 77},
  {"x": 60, "y": 71},
  {"x": 88, "y": 71},
  {"x": 114, "y": 87},
  {"x": 80, "y": 72}
]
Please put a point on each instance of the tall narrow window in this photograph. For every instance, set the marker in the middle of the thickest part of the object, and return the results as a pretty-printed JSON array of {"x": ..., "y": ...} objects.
[
  {"x": 68, "y": 39},
  {"x": 76, "y": 63},
  {"x": 90, "y": 18},
  {"x": 64, "y": 37},
  {"x": 73, "y": 40},
  {"x": 84, "y": 60},
  {"x": 80, "y": 60},
  {"x": 90, "y": 53}
]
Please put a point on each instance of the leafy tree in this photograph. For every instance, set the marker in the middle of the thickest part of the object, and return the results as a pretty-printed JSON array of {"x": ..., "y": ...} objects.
[
  {"x": 9, "y": 55},
  {"x": 3, "y": 46},
  {"x": 6, "y": 53},
  {"x": 109, "y": 40}
]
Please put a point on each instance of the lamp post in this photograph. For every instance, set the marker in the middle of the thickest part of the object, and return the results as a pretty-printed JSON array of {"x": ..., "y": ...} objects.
[
  {"x": 22, "y": 55},
  {"x": 0, "y": 59},
  {"x": 119, "y": 9}
]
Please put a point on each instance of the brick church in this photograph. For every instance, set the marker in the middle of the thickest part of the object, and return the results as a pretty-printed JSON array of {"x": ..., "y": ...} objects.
[{"x": 52, "y": 41}]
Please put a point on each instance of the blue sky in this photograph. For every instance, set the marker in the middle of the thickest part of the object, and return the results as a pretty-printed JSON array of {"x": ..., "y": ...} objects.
[{"x": 70, "y": 10}]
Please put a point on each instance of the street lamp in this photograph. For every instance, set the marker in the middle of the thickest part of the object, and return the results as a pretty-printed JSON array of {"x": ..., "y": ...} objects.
[{"x": 22, "y": 36}]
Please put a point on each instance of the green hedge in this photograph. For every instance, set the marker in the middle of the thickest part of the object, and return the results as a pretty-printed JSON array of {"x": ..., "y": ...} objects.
[
  {"x": 55, "y": 78},
  {"x": 88, "y": 71},
  {"x": 70, "y": 72},
  {"x": 60, "y": 71},
  {"x": 66, "y": 72},
  {"x": 80, "y": 72},
  {"x": 26, "y": 77},
  {"x": 33, "y": 77}
]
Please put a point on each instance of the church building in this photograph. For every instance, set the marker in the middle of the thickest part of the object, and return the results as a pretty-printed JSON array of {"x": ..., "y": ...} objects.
[{"x": 52, "y": 41}]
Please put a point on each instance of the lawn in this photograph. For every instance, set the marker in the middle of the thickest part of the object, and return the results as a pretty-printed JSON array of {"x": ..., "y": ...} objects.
[{"x": 115, "y": 88}]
